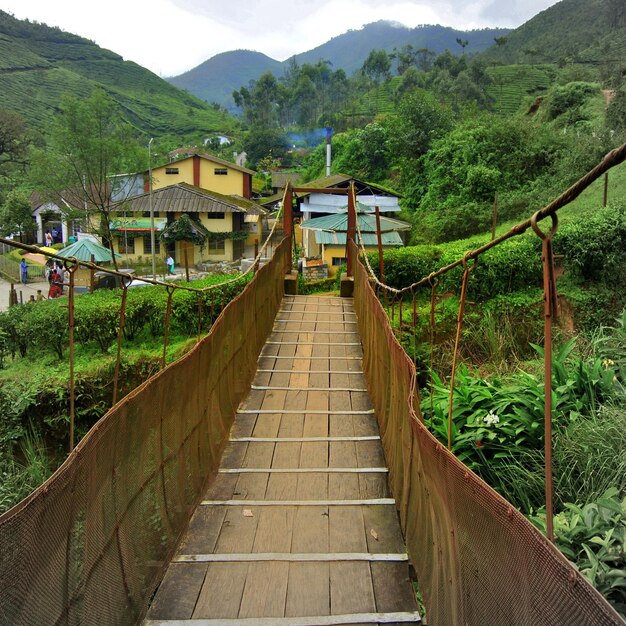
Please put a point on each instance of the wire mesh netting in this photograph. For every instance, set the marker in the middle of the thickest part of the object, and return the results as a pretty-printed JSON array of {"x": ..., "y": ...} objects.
[
  {"x": 478, "y": 560},
  {"x": 91, "y": 544}
]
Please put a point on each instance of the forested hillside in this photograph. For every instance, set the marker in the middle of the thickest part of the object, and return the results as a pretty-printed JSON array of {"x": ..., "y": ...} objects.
[
  {"x": 38, "y": 64},
  {"x": 215, "y": 79},
  {"x": 592, "y": 31}
]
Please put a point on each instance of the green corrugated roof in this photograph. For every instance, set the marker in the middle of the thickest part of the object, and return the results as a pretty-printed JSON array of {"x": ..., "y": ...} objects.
[
  {"x": 367, "y": 223},
  {"x": 369, "y": 239},
  {"x": 83, "y": 250}
]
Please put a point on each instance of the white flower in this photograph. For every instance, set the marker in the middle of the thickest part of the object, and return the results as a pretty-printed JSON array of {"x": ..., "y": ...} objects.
[{"x": 491, "y": 418}]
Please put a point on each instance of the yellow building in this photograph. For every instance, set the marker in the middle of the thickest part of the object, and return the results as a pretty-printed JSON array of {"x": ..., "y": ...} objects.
[
  {"x": 225, "y": 223},
  {"x": 206, "y": 172}
]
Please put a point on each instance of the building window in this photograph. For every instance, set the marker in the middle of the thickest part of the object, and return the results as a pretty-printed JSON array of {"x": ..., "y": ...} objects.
[
  {"x": 171, "y": 170},
  {"x": 220, "y": 171},
  {"x": 147, "y": 244},
  {"x": 217, "y": 246},
  {"x": 126, "y": 245},
  {"x": 339, "y": 260},
  {"x": 147, "y": 214},
  {"x": 215, "y": 216}
]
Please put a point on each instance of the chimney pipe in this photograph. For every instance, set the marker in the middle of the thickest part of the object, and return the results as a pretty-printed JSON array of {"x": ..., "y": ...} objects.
[{"x": 329, "y": 132}]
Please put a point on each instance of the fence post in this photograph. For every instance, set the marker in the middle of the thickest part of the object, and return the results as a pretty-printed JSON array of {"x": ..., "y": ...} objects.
[
  {"x": 379, "y": 235},
  {"x": 351, "y": 230},
  {"x": 288, "y": 225},
  {"x": 550, "y": 305}
]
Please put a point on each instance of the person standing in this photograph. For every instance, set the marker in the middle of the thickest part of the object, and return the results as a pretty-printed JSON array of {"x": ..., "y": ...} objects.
[
  {"x": 170, "y": 264},
  {"x": 55, "y": 235},
  {"x": 24, "y": 271},
  {"x": 48, "y": 238}
]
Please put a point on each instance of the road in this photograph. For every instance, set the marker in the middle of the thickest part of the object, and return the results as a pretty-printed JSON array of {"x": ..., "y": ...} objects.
[{"x": 25, "y": 290}]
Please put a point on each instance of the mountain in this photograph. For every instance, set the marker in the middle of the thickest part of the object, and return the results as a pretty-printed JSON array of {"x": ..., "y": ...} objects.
[
  {"x": 349, "y": 51},
  {"x": 38, "y": 64},
  {"x": 572, "y": 30},
  {"x": 216, "y": 79}
]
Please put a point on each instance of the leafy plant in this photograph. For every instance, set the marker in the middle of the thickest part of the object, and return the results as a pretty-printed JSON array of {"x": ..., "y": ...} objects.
[{"x": 593, "y": 537}]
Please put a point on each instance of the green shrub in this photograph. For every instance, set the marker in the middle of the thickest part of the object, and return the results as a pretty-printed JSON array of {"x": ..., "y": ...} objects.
[
  {"x": 96, "y": 317},
  {"x": 594, "y": 247},
  {"x": 514, "y": 265},
  {"x": 569, "y": 98},
  {"x": 593, "y": 536}
]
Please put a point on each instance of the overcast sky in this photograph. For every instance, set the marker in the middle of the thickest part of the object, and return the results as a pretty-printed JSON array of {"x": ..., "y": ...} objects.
[{"x": 172, "y": 36}]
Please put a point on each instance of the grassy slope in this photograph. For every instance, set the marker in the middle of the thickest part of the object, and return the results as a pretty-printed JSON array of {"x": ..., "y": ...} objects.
[{"x": 39, "y": 64}]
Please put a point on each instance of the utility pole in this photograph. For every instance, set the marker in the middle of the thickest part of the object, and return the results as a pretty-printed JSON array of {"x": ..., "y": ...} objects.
[{"x": 152, "y": 238}]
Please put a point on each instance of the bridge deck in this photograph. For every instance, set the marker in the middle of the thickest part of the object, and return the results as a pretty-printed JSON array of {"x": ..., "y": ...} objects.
[{"x": 299, "y": 527}]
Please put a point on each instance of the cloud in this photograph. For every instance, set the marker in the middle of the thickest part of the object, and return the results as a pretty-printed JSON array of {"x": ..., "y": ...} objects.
[{"x": 172, "y": 36}]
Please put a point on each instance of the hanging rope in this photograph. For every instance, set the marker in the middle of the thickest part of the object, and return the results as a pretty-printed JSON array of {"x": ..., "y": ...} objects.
[
  {"x": 433, "y": 295},
  {"x": 199, "y": 317},
  {"x": 120, "y": 335},
  {"x": 71, "y": 267},
  {"x": 550, "y": 310},
  {"x": 459, "y": 325},
  {"x": 168, "y": 312}
]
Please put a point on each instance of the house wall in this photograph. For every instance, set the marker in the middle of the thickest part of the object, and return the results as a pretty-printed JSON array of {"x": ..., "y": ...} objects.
[
  {"x": 185, "y": 174},
  {"x": 196, "y": 254},
  {"x": 328, "y": 254},
  {"x": 233, "y": 183}
]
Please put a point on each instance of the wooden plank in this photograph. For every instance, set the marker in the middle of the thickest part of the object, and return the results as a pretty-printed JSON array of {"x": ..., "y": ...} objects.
[
  {"x": 315, "y": 620},
  {"x": 304, "y": 470},
  {"x": 393, "y": 590},
  {"x": 308, "y": 591},
  {"x": 305, "y": 439},
  {"x": 221, "y": 592},
  {"x": 326, "y": 557},
  {"x": 265, "y": 592},
  {"x": 178, "y": 592},
  {"x": 351, "y": 588},
  {"x": 248, "y": 503}
]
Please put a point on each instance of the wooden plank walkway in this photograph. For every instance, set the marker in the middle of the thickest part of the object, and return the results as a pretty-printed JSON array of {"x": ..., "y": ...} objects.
[{"x": 299, "y": 527}]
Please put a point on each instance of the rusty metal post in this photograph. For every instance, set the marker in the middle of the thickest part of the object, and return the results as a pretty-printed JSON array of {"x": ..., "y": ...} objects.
[
  {"x": 351, "y": 229},
  {"x": 168, "y": 312},
  {"x": 91, "y": 273},
  {"x": 459, "y": 325},
  {"x": 550, "y": 310},
  {"x": 379, "y": 235},
  {"x": 186, "y": 262},
  {"x": 120, "y": 335},
  {"x": 606, "y": 189},
  {"x": 288, "y": 225},
  {"x": 70, "y": 325},
  {"x": 200, "y": 296}
]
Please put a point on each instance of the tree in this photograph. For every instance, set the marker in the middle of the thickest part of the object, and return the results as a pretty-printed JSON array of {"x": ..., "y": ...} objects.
[
  {"x": 261, "y": 141},
  {"x": 262, "y": 101},
  {"x": 424, "y": 58},
  {"x": 365, "y": 154},
  {"x": 90, "y": 144},
  {"x": 462, "y": 43},
  {"x": 15, "y": 142},
  {"x": 405, "y": 58},
  {"x": 377, "y": 66},
  {"x": 16, "y": 215},
  {"x": 419, "y": 120}
]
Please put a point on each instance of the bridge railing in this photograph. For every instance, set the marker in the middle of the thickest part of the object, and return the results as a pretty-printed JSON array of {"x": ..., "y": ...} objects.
[
  {"x": 91, "y": 544},
  {"x": 478, "y": 559}
]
